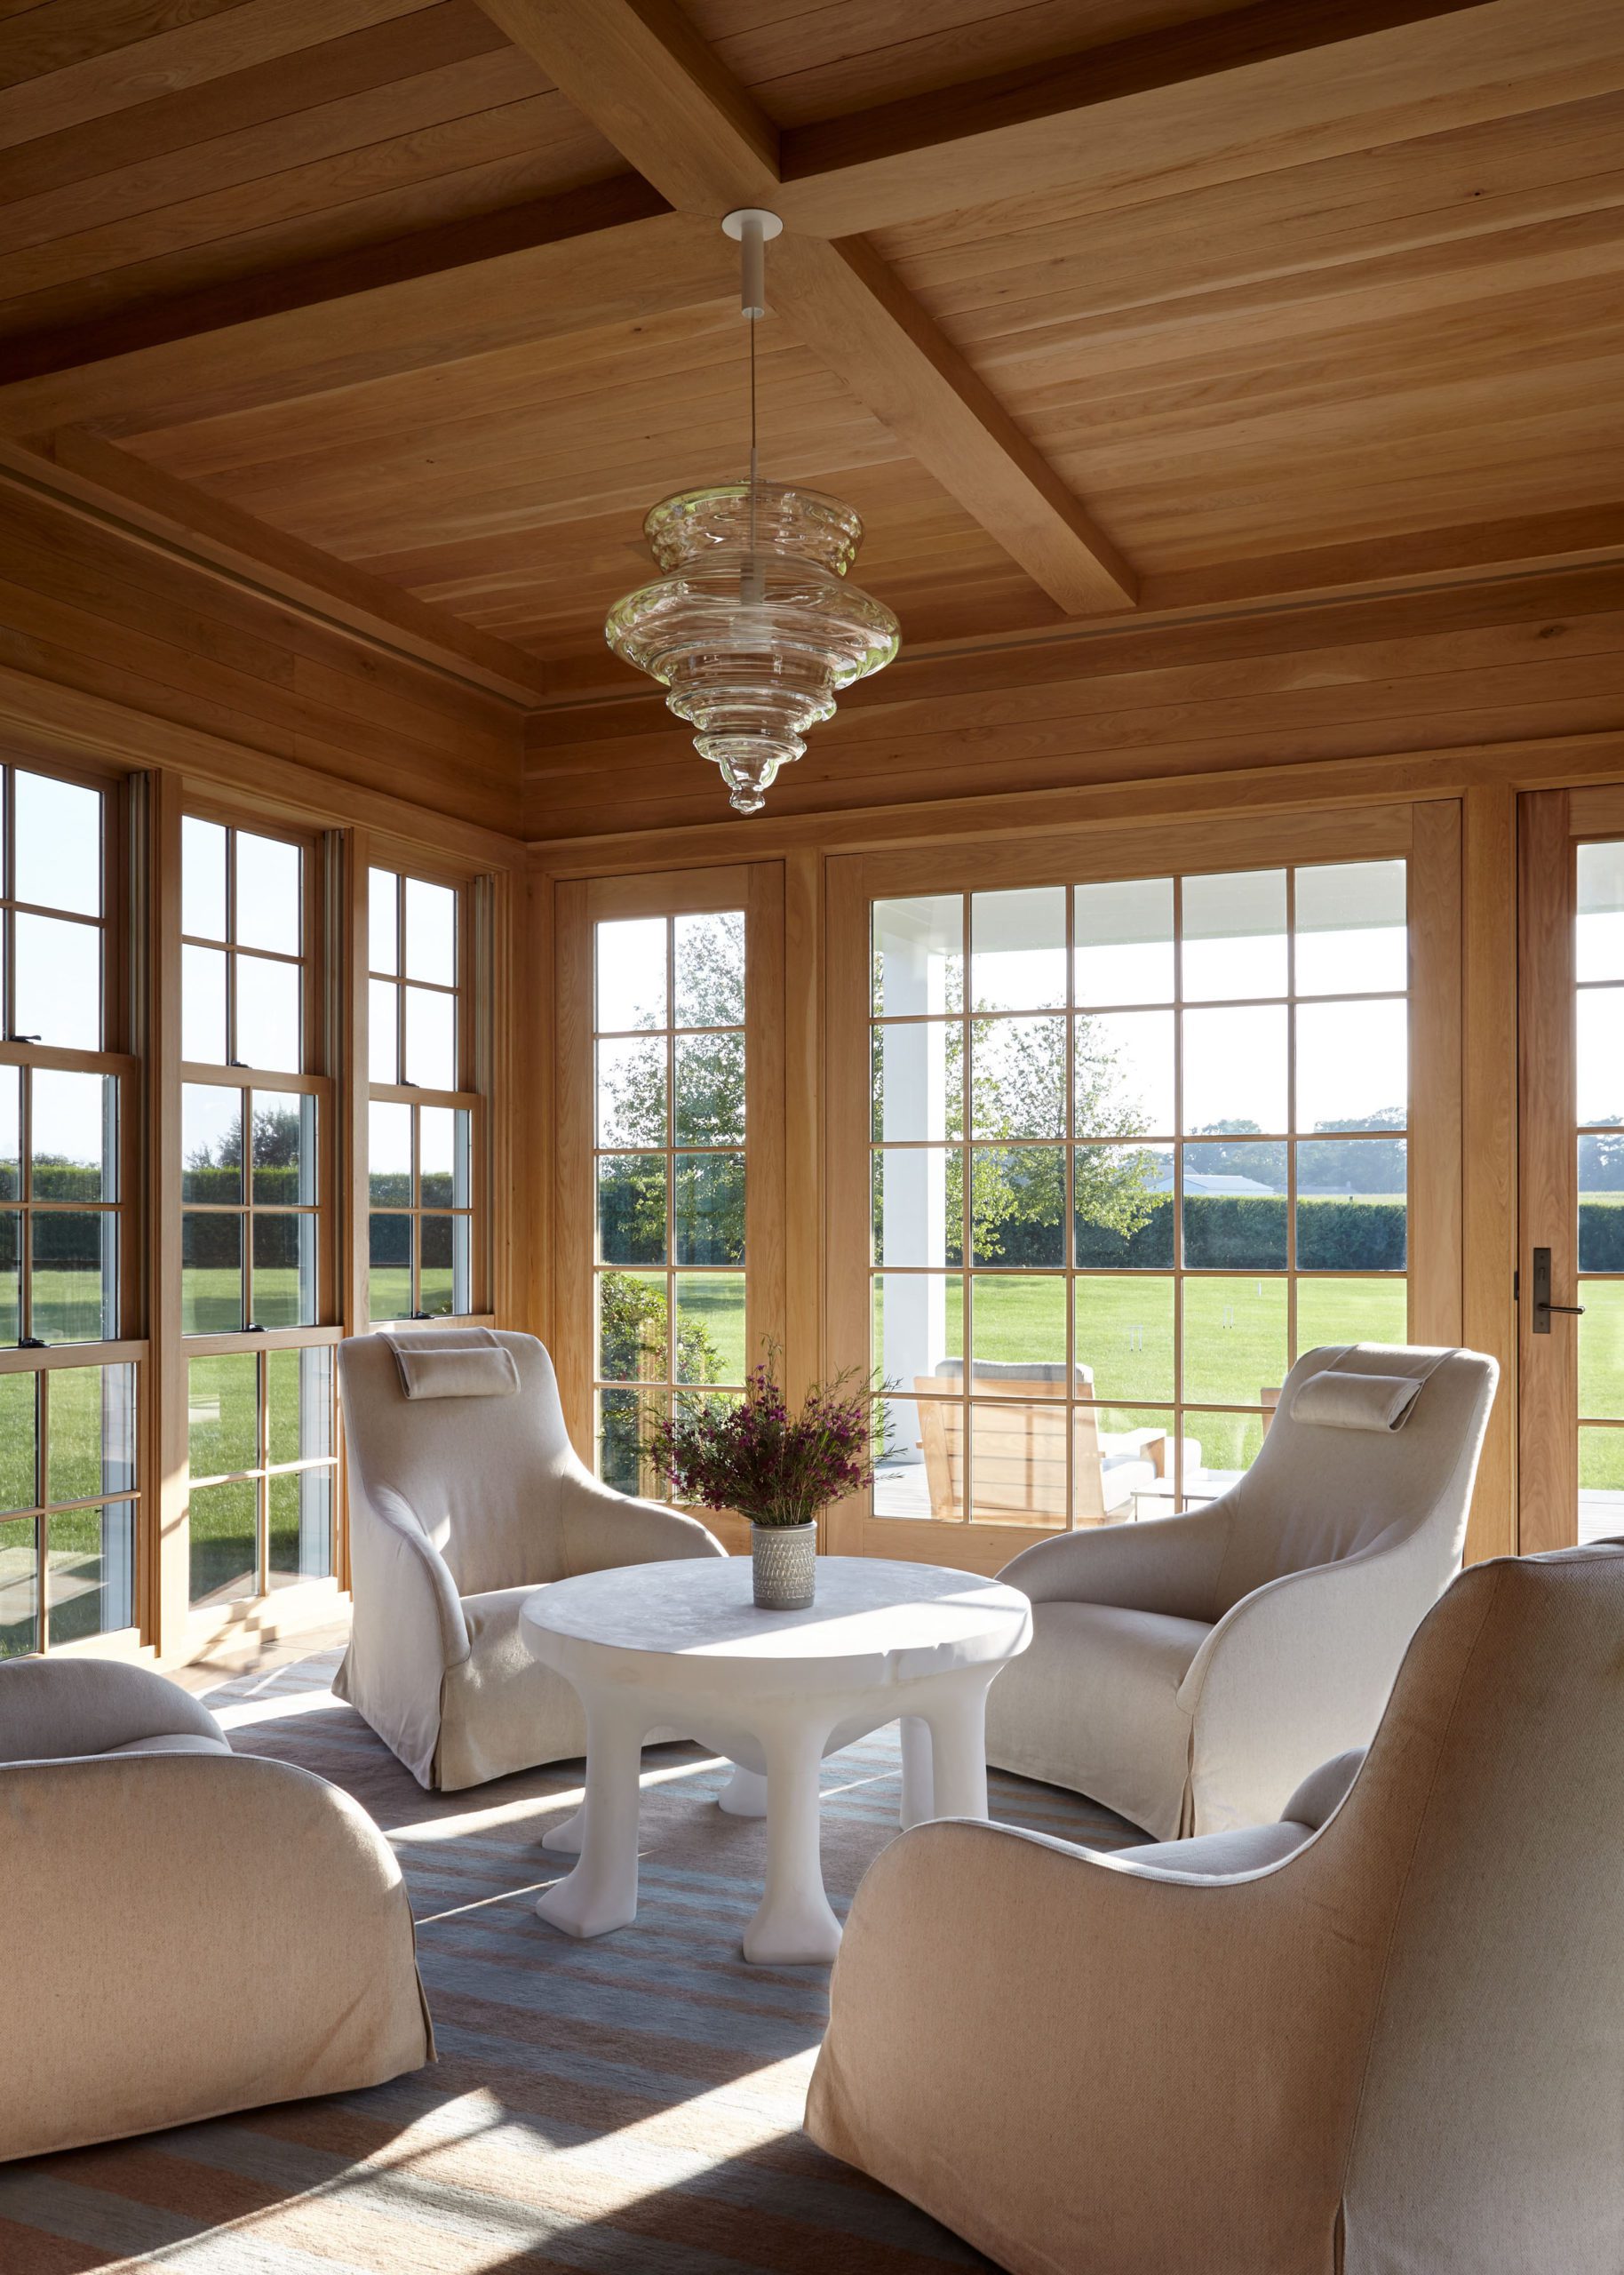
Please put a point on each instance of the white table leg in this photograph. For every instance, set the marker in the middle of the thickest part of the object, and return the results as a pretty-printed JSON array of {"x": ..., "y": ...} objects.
[
  {"x": 794, "y": 1925},
  {"x": 565, "y": 1840},
  {"x": 601, "y": 1892},
  {"x": 744, "y": 1794},
  {"x": 916, "y": 1807},
  {"x": 958, "y": 1751}
]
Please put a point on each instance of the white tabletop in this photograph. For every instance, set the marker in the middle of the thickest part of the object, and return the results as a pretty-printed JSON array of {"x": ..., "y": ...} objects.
[{"x": 873, "y": 1621}]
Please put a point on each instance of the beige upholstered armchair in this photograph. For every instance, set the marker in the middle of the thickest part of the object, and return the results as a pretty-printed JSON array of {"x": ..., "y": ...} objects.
[
  {"x": 1398, "y": 2050},
  {"x": 465, "y": 1494},
  {"x": 188, "y": 1931},
  {"x": 1189, "y": 1672}
]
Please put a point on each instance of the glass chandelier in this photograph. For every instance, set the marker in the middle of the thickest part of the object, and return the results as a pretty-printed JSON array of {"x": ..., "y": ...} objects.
[{"x": 752, "y": 628}]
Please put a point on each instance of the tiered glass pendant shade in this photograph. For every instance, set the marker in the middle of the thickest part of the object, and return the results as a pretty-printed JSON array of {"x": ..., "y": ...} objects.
[{"x": 752, "y": 627}]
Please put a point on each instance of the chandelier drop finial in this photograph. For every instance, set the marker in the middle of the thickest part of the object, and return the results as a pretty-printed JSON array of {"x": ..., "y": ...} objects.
[{"x": 751, "y": 629}]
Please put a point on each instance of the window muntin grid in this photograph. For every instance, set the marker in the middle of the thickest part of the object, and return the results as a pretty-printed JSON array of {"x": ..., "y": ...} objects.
[
  {"x": 262, "y": 1450},
  {"x": 242, "y": 948},
  {"x": 414, "y": 1026},
  {"x": 1598, "y": 1108},
  {"x": 61, "y": 1205},
  {"x": 1059, "y": 1183},
  {"x": 68, "y": 1506},
  {"x": 52, "y": 914},
  {"x": 249, "y": 1216},
  {"x": 420, "y": 1198},
  {"x": 670, "y": 1168}
]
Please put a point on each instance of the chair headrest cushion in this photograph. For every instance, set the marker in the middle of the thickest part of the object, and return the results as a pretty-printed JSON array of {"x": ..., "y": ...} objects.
[
  {"x": 1349, "y": 1402},
  {"x": 468, "y": 1363}
]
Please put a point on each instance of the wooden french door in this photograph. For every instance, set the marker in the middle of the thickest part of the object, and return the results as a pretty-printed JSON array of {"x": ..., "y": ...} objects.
[
  {"x": 1571, "y": 1154},
  {"x": 1119, "y": 1121}
]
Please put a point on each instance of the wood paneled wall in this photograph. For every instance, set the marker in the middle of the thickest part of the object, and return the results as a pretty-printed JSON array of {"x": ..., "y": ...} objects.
[{"x": 87, "y": 607}]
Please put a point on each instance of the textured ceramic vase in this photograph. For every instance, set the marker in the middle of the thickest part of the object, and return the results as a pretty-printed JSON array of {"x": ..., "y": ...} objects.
[{"x": 784, "y": 1559}]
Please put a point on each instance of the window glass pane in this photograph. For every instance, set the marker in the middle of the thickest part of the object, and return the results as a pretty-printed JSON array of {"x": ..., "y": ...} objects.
[
  {"x": 19, "y": 1588},
  {"x": 1123, "y": 1203},
  {"x": 267, "y": 893},
  {"x": 75, "y": 1276},
  {"x": 1351, "y": 1213},
  {"x": 918, "y": 1081},
  {"x": 1351, "y": 1311},
  {"x": 223, "y": 1521},
  {"x": 268, "y": 1014},
  {"x": 283, "y": 1291},
  {"x": 436, "y": 1155},
  {"x": 202, "y": 882},
  {"x": 631, "y": 1208},
  {"x": 58, "y": 982},
  {"x": 625, "y": 1419},
  {"x": 1123, "y": 949},
  {"x": 74, "y": 1136},
  {"x": 903, "y": 1488},
  {"x": 1601, "y": 1202},
  {"x": 462, "y": 1158},
  {"x": 211, "y": 1143},
  {"x": 710, "y": 960},
  {"x": 1018, "y": 1462},
  {"x": 284, "y": 1148},
  {"x": 223, "y": 1413},
  {"x": 1018, "y": 1205},
  {"x": 431, "y": 1040},
  {"x": 383, "y": 1034},
  {"x": 1218, "y": 1449},
  {"x": 389, "y": 1153},
  {"x": 634, "y": 1326},
  {"x": 58, "y": 843},
  {"x": 632, "y": 1102},
  {"x": 298, "y": 1403},
  {"x": 202, "y": 1006},
  {"x": 1600, "y": 945},
  {"x": 1018, "y": 1078},
  {"x": 1353, "y": 1065},
  {"x": 1601, "y": 1350},
  {"x": 1017, "y": 1336},
  {"x": 708, "y": 1209},
  {"x": 91, "y": 1433},
  {"x": 631, "y": 964},
  {"x": 710, "y": 1327},
  {"x": 918, "y": 953},
  {"x": 1124, "y": 1334},
  {"x": 1601, "y": 1486},
  {"x": 918, "y": 1206},
  {"x": 91, "y": 1571},
  {"x": 1124, "y": 1464},
  {"x": 1351, "y": 929},
  {"x": 436, "y": 1281},
  {"x": 299, "y": 1545},
  {"x": 1234, "y": 1071},
  {"x": 1122, "y": 1074},
  {"x": 1234, "y": 1339},
  {"x": 10, "y": 1133},
  {"x": 710, "y": 1090},
  {"x": 11, "y": 1274},
  {"x": 1018, "y": 949},
  {"x": 1601, "y": 1054},
  {"x": 210, "y": 1273},
  {"x": 17, "y": 1487},
  {"x": 383, "y": 920},
  {"x": 389, "y": 1266},
  {"x": 431, "y": 932},
  {"x": 1235, "y": 1206},
  {"x": 918, "y": 1327},
  {"x": 1234, "y": 928}
]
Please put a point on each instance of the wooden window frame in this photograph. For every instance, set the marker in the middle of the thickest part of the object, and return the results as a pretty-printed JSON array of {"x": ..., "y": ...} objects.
[{"x": 1426, "y": 836}]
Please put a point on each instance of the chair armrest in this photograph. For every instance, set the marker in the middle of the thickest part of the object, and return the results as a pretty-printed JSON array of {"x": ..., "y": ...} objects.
[
  {"x": 1296, "y": 1672},
  {"x": 1074, "y": 2062},
  {"x": 51, "y": 1709},
  {"x": 1169, "y": 1564},
  {"x": 402, "y": 1580},
  {"x": 144, "y": 1891},
  {"x": 603, "y": 1529}
]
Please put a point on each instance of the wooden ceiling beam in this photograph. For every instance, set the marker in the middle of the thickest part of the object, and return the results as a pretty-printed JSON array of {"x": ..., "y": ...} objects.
[
  {"x": 638, "y": 70},
  {"x": 91, "y": 472}
]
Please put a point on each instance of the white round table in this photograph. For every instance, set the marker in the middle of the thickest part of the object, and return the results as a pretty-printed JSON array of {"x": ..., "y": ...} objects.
[{"x": 681, "y": 1646}]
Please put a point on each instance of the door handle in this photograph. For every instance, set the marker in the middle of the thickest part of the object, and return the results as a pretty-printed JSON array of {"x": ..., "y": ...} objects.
[{"x": 1543, "y": 1305}]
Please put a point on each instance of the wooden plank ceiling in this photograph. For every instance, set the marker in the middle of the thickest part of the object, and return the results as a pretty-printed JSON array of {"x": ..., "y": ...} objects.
[{"x": 1097, "y": 309}]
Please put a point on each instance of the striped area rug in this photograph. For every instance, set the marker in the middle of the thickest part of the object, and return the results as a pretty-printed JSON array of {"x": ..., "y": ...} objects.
[{"x": 632, "y": 2104}]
